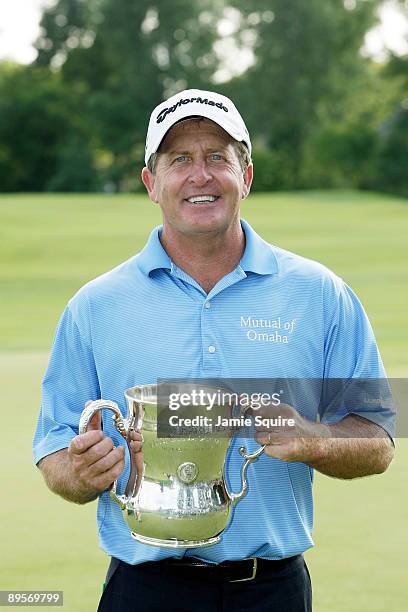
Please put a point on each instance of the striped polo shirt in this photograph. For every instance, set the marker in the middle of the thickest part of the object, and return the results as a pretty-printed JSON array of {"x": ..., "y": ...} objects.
[{"x": 276, "y": 315}]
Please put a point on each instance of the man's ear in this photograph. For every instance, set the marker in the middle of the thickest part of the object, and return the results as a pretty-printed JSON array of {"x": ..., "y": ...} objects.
[
  {"x": 149, "y": 182},
  {"x": 248, "y": 176}
]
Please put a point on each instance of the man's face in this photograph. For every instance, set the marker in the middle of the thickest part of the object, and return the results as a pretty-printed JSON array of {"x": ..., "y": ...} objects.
[{"x": 198, "y": 181}]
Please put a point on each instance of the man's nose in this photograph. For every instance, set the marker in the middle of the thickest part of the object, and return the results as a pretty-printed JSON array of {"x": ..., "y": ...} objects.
[{"x": 200, "y": 173}]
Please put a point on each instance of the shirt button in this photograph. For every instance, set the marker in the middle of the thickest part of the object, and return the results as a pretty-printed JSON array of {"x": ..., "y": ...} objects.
[
  {"x": 207, "y": 304},
  {"x": 211, "y": 349}
]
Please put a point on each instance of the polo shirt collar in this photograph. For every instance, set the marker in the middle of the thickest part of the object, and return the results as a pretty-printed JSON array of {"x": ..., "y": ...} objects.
[
  {"x": 153, "y": 256},
  {"x": 258, "y": 257}
]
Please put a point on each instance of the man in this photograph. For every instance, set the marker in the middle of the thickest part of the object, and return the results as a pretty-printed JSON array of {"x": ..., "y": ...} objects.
[{"x": 189, "y": 306}]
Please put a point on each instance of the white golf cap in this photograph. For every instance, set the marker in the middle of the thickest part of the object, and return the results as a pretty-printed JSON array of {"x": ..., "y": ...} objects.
[{"x": 194, "y": 103}]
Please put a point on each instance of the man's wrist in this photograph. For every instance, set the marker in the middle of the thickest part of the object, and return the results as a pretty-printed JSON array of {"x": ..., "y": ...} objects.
[{"x": 62, "y": 480}]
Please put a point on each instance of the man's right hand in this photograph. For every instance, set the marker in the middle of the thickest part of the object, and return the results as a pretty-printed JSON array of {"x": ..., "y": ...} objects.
[{"x": 94, "y": 460}]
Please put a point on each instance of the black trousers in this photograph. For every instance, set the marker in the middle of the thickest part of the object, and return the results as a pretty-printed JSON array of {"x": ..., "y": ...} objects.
[{"x": 152, "y": 588}]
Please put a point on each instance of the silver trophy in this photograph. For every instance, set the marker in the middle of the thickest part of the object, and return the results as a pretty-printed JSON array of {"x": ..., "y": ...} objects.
[{"x": 176, "y": 496}]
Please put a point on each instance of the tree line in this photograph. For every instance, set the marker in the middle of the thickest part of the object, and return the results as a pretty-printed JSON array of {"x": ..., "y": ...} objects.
[{"x": 320, "y": 113}]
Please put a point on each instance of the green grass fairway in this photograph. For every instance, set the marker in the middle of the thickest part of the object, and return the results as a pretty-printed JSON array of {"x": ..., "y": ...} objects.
[
  {"x": 46, "y": 543},
  {"x": 50, "y": 245}
]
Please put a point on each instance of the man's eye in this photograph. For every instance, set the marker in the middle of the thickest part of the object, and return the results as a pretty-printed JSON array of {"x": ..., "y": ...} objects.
[
  {"x": 181, "y": 158},
  {"x": 216, "y": 156}
]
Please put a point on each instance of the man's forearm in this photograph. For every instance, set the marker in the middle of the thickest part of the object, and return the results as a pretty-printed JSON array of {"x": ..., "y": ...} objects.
[
  {"x": 60, "y": 478},
  {"x": 353, "y": 448}
]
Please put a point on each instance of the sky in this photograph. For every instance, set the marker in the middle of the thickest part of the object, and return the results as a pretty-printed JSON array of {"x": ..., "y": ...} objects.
[{"x": 19, "y": 27}]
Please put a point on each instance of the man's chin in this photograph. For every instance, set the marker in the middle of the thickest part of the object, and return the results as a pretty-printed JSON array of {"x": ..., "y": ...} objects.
[{"x": 207, "y": 229}]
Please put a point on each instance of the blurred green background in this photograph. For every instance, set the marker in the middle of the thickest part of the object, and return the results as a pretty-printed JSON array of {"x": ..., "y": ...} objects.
[
  {"x": 322, "y": 113},
  {"x": 50, "y": 245}
]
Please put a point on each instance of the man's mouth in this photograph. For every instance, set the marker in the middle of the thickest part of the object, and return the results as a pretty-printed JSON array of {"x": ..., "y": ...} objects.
[{"x": 202, "y": 199}]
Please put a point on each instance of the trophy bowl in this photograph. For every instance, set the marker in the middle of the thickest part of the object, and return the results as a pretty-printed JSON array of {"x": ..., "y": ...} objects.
[{"x": 176, "y": 495}]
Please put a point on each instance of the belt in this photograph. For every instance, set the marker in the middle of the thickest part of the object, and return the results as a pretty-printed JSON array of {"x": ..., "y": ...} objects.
[{"x": 227, "y": 571}]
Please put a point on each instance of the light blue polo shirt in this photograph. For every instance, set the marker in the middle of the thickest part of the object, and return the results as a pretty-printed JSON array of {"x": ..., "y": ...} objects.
[{"x": 147, "y": 319}]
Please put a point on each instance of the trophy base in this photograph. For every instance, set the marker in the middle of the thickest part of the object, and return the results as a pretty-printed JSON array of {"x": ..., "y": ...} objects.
[{"x": 175, "y": 543}]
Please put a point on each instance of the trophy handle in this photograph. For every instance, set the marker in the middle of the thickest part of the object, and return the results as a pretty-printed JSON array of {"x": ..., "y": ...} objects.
[
  {"x": 120, "y": 424},
  {"x": 249, "y": 458}
]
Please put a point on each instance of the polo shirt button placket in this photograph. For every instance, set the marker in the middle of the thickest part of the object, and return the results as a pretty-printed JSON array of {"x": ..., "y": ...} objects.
[{"x": 210, "y": 356}]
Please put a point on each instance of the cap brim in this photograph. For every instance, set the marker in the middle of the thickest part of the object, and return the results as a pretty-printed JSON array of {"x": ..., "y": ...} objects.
[{"x": 225, "y": 125}]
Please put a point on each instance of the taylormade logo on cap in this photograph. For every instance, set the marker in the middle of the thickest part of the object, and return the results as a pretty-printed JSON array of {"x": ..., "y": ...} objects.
[
  {"x": 163, "y": 113},
  {"x": 194, "y": 103}
]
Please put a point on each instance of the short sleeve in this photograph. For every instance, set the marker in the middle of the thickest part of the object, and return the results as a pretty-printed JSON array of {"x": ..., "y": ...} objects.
[
  {"x": 70, "y": 380},
  {"x": 355, "y": 381}
]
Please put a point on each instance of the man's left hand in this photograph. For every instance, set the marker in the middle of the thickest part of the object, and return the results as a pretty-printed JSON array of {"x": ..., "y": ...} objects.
[{"x": 290, "y": 438}]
